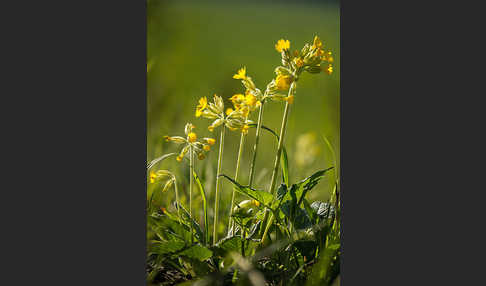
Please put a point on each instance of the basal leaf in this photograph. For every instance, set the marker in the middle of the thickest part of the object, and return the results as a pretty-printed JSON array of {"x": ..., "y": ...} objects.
[
  {"x": 186, "y": 217},
  {"x": 263, "y": 197},
  {"x": 166, "y": 247},
  {"x": 322, "y": 209},
  {"x": 197, "y": 252}
]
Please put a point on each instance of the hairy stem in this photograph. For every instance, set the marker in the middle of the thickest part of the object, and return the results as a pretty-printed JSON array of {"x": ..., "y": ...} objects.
[
  {"x": 216, "y": 197},
  {"x": 191, "y": 182},
  {"x": 177, "y": 201},
  {"x": 255, "y": 147},
  {"x": 276, "y": 165},
  {"x": 240, "y": 151}
]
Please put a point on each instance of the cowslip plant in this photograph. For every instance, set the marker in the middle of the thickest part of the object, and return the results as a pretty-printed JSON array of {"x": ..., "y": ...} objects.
[
  {"x": 231, "y": 119},
  {"x": 191, "y": 147},
  {"x": 298, "y": 243}
]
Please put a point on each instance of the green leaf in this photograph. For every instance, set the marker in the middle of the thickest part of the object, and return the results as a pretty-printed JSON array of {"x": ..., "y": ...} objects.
[
  {"x": 159, "y": 159},
  {"x": 322, "y": 209},
  {"x": 297, "y": 216},
  {"x": 327, "y": 268},
  {"x": 205, "y": 208},
  {"x": 168, "y": 228},
  {"x": 281, "y": 191},
  {"x": 285, "y": 166},
  {"x": 197, "y": 252},
  {"x": 232, "y": 243},
  {"x": 253, "y": 230},
  {"x": 263, "y": 197},
  {"x": 166, "y": 247},
  {"x": 186, "y": 217},
  {"x": 301, "y": 188}
]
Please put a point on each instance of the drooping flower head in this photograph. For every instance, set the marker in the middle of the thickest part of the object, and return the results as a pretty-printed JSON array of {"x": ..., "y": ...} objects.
[
  {"x": 233, "y": 119},
  {"x": 191, "y": 141}
]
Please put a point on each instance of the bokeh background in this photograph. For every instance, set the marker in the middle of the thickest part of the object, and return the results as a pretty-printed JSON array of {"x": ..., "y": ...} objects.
[{"x": 193, "y": 50}]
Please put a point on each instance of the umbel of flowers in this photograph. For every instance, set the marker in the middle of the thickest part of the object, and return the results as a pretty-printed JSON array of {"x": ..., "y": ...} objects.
[{"x": 191, "y": 147}]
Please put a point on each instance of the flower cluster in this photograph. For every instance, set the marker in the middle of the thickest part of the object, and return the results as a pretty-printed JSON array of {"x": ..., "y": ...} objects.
[
  {"x": 312, "y": 58},
  {"x": 199, "y": 148},
  {"x": 233, "y": 119}
]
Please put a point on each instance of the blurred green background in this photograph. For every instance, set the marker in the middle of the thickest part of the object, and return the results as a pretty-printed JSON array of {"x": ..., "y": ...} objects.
[{"x": 193, "y": 50}]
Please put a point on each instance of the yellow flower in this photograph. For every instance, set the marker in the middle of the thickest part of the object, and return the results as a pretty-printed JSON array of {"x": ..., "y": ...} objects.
[
  {"x": 299, "y": 62},
  {"x": 153, "y": 176},
  {"x": 192, "y": 137},
  {"x": 179, "y": 158},
  {"x": 228, "y": 111},
  {"x": 283, "y": 82},
  {"x": 330, "y": 59},
  {"x": 241, "y": 74},
  {"x": 237, "y": 98},
  {"x": 317, "y": 43},
  {"x": 167, "y": 138},
  {"x": 203, "y": 103},
  {"x": 211, "y": 128},
  {"x": 244, "y": 129},
  {"x": 206, "y": 147},
  {"x": 282, "y": 45},
  {"x": 256, "y": 203},
  {"x": 250, "y": 100},
  {"x": 329, "y": 69},
  {"x": 200, "y": 156},
  {"x": 210, "y": 141},
  {"x": 289, "y": 99}
]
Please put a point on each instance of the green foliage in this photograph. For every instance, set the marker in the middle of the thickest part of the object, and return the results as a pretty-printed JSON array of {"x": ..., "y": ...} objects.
[{"x": 263, "y": 197}]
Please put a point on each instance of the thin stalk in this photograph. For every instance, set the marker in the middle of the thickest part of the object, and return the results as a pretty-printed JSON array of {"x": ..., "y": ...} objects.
[
  {"x": 283, "y": 129},
  {"x": 257, "y": 140},
  {"x": 191, "y": 182},
  {"x": 216, "y": 197},
  {"x": 240, "y": 151},
  {"x": 177, "y": 201}
]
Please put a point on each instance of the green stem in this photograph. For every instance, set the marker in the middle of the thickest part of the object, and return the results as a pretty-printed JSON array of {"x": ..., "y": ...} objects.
[
  {"x": 240, "y": 151},
  {"x": 276, "y": 165},
  {"x": 191, "y": 181},
  {"x": 257, "y": 140},
  {"x": 216, "y": 197},
  {"x": 177, "y": 201}
]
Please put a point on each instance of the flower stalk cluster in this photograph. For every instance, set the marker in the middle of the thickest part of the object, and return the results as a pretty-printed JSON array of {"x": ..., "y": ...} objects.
[
  {"x": 312, "y": 58},
  {"x": 191, "y": 147}
]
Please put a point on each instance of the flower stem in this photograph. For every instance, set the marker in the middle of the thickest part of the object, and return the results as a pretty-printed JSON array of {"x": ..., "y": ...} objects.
[
  {"x": 216, "y": 197},
  {"x": 177, "y": 201},
  {"x": 257, "y": 140},
  {"x": 191, "y": 179},
  {"x": 240, "y": 151},
  {"x": 275, "y": 167}
]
